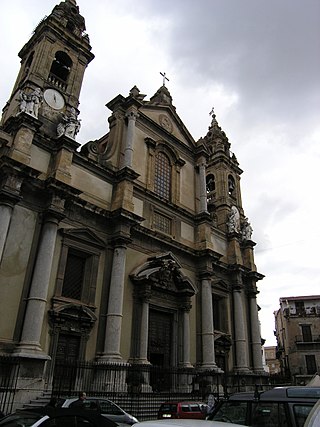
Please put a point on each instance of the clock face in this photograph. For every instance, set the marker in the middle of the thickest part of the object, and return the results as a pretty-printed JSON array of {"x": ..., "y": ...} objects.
[{"x": 54, "y": 99}]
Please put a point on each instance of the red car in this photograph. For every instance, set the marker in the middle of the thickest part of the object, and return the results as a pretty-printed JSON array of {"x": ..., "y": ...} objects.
[{"x": 191, "y": 410}]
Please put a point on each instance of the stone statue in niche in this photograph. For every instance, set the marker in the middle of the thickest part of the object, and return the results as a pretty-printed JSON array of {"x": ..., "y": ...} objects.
[
  {"x": 70, "y": 125},
  {"x": 246, "y": 230},
  {"x": 233, "y": 222},
  {"x": 30, "y": 102}
]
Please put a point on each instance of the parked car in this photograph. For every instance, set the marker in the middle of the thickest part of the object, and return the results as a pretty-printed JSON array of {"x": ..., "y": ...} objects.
[
  {"x": 313, "y": 419},
  {"x": 58, "y": 417},
  {"x": 106, "y": 407},
  {"x": 183, "y": 422},
  {"x": 193, "y": 410},
  {"x": 281, "y": 406}
]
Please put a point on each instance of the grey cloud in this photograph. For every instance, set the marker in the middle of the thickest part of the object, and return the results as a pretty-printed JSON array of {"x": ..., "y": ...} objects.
[{"x": 267, "y": 51}]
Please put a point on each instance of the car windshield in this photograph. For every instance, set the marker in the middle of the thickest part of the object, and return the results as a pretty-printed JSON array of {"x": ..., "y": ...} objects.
[
  {"x": 232, "y": 412},
  {"x": 169, "y": 407},
  {"x": 20, "y": 420}
]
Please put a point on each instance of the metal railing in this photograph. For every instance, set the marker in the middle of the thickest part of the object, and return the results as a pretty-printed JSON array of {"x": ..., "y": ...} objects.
[
  {"x": 9, "y": 373},
  {"x": 307, "y": 339}
]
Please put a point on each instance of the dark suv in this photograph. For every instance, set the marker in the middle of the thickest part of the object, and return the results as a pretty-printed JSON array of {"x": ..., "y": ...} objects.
[{"x": 281, "y": 406}]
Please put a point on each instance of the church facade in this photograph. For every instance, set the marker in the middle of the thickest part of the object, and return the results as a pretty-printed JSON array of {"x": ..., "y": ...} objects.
[{"x": 133, "y": 248}]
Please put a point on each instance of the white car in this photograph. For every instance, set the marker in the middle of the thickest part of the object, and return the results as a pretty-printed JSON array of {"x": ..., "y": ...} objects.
[
  {"x": 184, "y": 423},
  {"x": 106, "y": 407},
  {"x": 313, "y": 419},
  {"x": 49, "y": 417}
]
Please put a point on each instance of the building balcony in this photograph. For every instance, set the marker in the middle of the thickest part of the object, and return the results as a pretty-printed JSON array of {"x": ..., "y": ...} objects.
[
  {"x": 311, "y": 342},
  {"x": 302, "y": 312},
  {"x": 304, "y": 339}
]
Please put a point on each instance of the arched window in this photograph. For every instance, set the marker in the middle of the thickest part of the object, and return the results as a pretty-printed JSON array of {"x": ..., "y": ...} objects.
[
  {"x": 61, "y": 66},
  {"x": 162, "y": 176},
  {"x": 231, "y": 185},
  {"x": 211, "y": 188}
]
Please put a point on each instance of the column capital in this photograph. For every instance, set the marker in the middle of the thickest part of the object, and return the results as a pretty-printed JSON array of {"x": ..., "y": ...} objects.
[
  {"x": 237, "y": 287},
  {"x": 11, "y": 181},
  {"x": 132, "y": 115},
  {"x": 143, "y": 293},
  {"x": 202, "y": 163},
  {"x": 185, "y": 306}
]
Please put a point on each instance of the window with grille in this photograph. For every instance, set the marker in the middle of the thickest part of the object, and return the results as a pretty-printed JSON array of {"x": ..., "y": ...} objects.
[
  {"x": 311, "y": 364},
  {"x": 162, "y": 179},
  {"x": 306, "y": 333},
  {"x": 74, "y": 275},
  {"x": 162, "y": 223},
  {"x": 219, "y": 308}
]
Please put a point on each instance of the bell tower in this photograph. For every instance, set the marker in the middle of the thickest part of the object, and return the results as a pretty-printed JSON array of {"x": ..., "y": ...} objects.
[
  {"x": 53, "y": 63},
  {"x": 222, "y": 175}
]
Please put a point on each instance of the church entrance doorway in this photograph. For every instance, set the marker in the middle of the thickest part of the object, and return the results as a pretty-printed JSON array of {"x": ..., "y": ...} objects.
[
  {"x": 160, "y": 348},
  {"x": 67, "y": 355}
]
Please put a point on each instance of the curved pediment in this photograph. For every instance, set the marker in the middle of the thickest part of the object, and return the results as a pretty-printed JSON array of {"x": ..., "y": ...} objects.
[
  {"x": 72, "y": 315},
  {"x": 163, "y": 272}
]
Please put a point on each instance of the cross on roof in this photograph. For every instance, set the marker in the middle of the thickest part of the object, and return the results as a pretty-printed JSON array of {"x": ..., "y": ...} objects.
[{"x": 164, "y": 78}]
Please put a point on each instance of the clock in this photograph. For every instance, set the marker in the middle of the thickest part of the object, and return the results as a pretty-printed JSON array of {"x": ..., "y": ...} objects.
[{"x": 54, "y": 99}]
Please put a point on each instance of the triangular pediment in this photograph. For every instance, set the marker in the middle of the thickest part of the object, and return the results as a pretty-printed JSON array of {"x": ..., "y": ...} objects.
[
  {"x": 83, "y": 235},
  {"x": 168, "y": 121}
]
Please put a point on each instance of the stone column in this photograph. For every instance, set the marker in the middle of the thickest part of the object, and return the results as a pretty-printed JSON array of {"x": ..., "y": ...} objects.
[
  {"x": 128, "y": 151},
  {"x": 255, "y": 335},
  {"x": 114, "y": 315},
  {"x": 29, "y": 345},
  {"x": 203, "y": 188},
  {"x": 240, "y": 324},
  {"x": 144, "y": 330},
  {"x": 5, "y": 218},
  {"x": 207, "y": 331},
  {"x": 186, "y": 337}
]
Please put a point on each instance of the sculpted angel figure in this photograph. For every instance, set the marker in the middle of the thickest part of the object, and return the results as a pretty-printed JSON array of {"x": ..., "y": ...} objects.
[
  {"x": 30, "y": 103},
  {"x": 70, "y": 125},
  {"x": 233, "y": 222},
  {"x": 246, "y": 230}
]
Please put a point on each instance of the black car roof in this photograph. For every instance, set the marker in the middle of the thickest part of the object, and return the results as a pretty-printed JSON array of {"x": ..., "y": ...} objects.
[{"x": 281, "y": 393}]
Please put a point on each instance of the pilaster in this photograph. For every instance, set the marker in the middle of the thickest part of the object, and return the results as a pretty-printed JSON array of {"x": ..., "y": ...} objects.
[
  {"x": 61, "y": 170},
  {"x": 24, "y": 126}
]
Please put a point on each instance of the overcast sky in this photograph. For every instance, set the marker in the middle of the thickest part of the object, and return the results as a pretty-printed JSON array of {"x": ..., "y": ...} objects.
[{"x": 258, "y": 63}]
